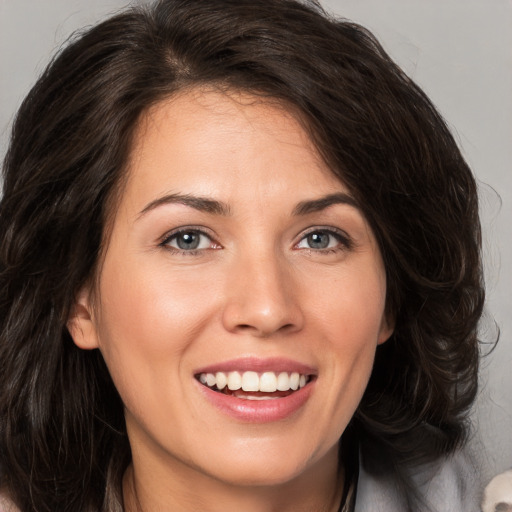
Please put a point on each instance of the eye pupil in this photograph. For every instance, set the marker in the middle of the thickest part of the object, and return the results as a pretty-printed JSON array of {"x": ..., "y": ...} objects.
[
  {"x": 188, "y": 240},
  {"x": 318, "y": 240}
]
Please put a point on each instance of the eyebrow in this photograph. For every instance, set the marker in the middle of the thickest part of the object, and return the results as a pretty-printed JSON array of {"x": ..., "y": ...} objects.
[
  {"x": 215, "y": 207},
  {"x": 203, "y": 204},
  {"x": 316, "y": 205}
]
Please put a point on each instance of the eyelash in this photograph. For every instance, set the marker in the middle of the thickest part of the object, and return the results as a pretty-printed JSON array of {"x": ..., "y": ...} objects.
[
  {"x": 340, "y": 236},
  {"x": 181, "y": 231},
  {"x": 345, "y": 242}
]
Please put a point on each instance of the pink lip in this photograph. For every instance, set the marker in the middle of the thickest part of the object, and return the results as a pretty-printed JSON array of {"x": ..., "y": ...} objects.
[
  {"x": 247, "y": 364},
  {"x": 257, "y": 411}
]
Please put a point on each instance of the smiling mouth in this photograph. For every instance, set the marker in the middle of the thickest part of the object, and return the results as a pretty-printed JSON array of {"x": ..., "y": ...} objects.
[{"x": 251, "y": 385}]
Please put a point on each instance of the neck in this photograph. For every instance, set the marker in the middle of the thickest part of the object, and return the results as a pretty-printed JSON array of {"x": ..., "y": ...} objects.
[{"x": 164, "y": 489}]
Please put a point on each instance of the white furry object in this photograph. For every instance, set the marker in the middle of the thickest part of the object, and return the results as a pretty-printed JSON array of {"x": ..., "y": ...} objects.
[{"x": 498, "y": 493}]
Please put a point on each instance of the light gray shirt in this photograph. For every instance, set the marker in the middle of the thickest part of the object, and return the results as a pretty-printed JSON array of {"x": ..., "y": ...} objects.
[{"x": 451, "y": 485}]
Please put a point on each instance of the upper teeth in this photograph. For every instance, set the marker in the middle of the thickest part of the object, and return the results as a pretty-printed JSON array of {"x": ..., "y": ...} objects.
[{"x": 252, "y": 381}]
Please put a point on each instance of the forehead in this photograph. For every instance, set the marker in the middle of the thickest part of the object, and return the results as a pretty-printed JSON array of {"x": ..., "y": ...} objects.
[
  {"x": 196, "y": 117},
  {"x": 208, "y": 140}
]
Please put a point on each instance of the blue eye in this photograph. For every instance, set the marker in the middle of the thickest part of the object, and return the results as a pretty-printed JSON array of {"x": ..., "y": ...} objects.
[
  {"x": 318, "y": 240},
  {"x": 322, "y": 239},
  {"x": 188, "y": 240}
]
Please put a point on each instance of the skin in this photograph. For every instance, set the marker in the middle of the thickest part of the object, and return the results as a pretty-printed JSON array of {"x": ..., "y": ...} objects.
[{"x": 255, "y": 287}]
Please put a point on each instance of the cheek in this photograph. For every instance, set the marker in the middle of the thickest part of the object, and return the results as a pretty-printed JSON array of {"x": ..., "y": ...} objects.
[
  {"x": 147, "y": 300},
  {"x": 352, "y": 306},
  {"x": 351, "y": 317},
  {"x": 148, "y": 319}
]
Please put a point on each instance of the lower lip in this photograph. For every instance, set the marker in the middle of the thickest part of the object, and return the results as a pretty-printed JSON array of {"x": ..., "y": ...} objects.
[{"x": 258, "y": 411}]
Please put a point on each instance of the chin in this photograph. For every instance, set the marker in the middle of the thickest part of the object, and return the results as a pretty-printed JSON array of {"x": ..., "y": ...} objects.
[
  {"x": 261, "y": 475},
  {"x": 267, "y": 467}
]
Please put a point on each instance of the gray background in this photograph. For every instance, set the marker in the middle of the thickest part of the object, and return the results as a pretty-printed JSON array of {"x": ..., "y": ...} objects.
[{"x": 459, "y": 51}]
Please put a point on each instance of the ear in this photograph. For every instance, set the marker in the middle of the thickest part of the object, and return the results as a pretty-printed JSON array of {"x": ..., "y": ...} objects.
[
  {"x": 81, "y": 323},
  {"x": 386, "y": 329}
]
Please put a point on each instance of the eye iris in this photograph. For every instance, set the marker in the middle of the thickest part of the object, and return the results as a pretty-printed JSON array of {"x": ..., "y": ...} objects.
[
  {"x": 318, "y": 240},
  {"x": 189, "y": 240}
]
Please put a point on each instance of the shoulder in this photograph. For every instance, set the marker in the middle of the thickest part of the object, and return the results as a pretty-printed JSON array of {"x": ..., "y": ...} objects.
[
  {"x": 450, "y": 483},
  {"x": 446, "y": 485}
]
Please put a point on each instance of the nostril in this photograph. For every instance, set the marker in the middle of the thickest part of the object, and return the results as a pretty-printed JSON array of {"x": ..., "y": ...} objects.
[
  {"x": 260, "y": 315},
  {"x": 265, "y": 331}
]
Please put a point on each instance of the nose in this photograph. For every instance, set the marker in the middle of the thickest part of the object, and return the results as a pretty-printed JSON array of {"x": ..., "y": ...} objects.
[{"x": 261, "y": 298}]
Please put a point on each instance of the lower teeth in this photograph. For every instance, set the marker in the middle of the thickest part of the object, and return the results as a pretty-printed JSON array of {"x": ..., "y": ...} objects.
[
  {"x": 250, "y": 397},
  {"x": 259, "y": 395}
]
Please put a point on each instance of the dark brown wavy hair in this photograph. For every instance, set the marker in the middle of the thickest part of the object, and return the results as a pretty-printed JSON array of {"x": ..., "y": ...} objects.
[{"x": 63, "y": 443}]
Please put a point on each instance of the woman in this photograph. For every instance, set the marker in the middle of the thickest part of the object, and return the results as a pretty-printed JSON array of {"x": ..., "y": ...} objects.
[{"x": 240, "y": 269}]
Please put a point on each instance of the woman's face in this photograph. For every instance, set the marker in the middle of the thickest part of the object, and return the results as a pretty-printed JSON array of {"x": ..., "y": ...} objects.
[{"x": 235, "y": 255}]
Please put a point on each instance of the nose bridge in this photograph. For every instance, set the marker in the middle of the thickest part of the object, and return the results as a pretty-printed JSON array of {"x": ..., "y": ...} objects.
[{"x": 260, "y": 296}]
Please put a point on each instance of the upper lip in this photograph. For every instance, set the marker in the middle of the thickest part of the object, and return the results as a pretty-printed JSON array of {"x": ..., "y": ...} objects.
[{"x": 259, "y": 365}]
